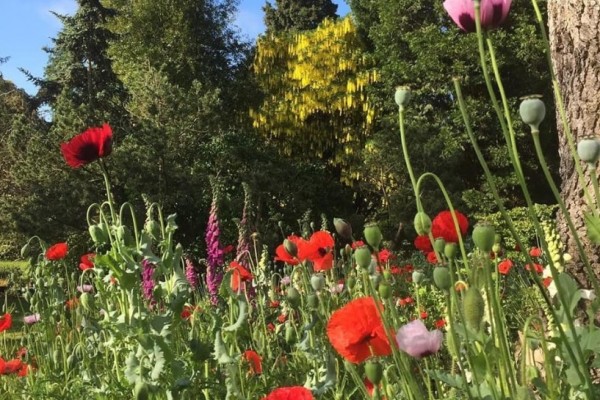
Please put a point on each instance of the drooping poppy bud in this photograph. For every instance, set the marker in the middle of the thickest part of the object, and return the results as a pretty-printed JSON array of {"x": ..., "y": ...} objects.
[
  {"x": 293, "y": 296},
  {"x": 290, "y": 247},
  {"x": 343, "y": 228},
  {"x": 532, "y": 111},
  {"x": 422, "y": 223},
  {"x": 484, "y": 236},
  {"x": 374, "y": 372},
  {"x": 153, "y": 228}
]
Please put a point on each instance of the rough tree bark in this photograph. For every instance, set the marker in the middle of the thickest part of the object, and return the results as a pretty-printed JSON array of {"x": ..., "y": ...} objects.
[{"x": 574, "y": 32}]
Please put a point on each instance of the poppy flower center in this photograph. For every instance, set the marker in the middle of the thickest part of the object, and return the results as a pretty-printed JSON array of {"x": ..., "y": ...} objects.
[{"x": 88, "y": 152}]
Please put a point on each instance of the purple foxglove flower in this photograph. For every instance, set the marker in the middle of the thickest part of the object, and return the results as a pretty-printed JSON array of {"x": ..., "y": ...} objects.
[
  {"x": 32, "y": 319},
  {"x": 190, "y": 273},
  {"x": 215, "y": 256},
  {"x": 414, "y": 339},
  {"x": 148, "y": 279},
  {"x": 492, "y": 12},
  {"x": 85, "y": 288}
]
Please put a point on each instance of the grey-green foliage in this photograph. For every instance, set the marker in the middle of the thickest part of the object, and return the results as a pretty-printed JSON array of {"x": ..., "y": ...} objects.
[{"x": 415, "y": 43}]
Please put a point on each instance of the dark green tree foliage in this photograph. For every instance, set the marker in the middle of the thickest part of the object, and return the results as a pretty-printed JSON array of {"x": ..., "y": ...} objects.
[
  {"x": 415, "y": 43},
  {"x": 297, "y": 15}
]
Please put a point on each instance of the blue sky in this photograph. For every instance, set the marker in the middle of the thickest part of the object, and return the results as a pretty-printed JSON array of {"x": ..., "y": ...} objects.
[{"x": 26, "y": 26}]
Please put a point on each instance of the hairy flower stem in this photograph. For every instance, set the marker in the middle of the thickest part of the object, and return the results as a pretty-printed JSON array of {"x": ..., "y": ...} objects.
[
  {"x": 411, "y": 173},
  {"x": 109, "y": 196}
]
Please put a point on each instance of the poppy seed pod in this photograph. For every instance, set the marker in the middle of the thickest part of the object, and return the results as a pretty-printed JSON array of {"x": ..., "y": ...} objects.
[
  {"x": 422, "y": 223},
  {"x": 374, "y": 372},
  {"x": 441, "y": 278},
  {"x": 588, "y": 150},
  {"x": 290, "y": 247},
  {"x": 317, "y": 281},
  {"x": 290, "y": 333},
  {"x": 313, "y": 301},
  {"x": 373, "y": 235},
  {"x": 417, "y": 277},
  {"x": 293, "y": 296},
  {"x": 343, "y": 228},
  {"x": 385, "y": 290},
  {"x": 402, "y": 96},
  {"x": 532, "y": 111},
  {"x": 473, "y": 306},
  {"x": 484, "y": 236},
  {"x": 362, "y": 255}
]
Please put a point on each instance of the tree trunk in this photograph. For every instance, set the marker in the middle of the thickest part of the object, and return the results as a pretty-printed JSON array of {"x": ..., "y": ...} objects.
[{"x": 574, "y": 31}]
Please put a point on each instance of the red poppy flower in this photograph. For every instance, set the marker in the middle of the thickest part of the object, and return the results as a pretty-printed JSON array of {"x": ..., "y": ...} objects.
[
  {"x": 396, "y": 270},
  {"x": 72, "y": 303},
  {"x": 423, "y": 243},
  {"x": 57, "y": 252},
  {"x": 320, "y": 250},
  {"x": 228, "y": 249},
  {"x": 432, "y": 258},
  {"x": 290, "y": 393},
  {"x": 85, "y": 262},
  {"x": 254, "y": 360},
  {"x": 405, "y": 301},
  {"x": 239, "y": 274},
  {"x": 21, "y": 353},
  {"x": 10, "y": 367},
  {"x": 443, "y": 226},
  {"x": 535, "y": 252},
  {"x": 505, "y": 266},
  {"x": 282, "y": 318},
  {"x": 23, "y": 371},
  {"x": 536, "y": 267},
  {"x": 357, "y": 332},
  {"x": 424, "y": 315},
  {"x": 271, "y": 327},
  {"x": 440, "y": 323},
  {"x": 186, "y": 313},
  {"x": 547, "y": 281},
  {"x": 274, "y": 304},
  {"x": 88, "y": 146},
  {"x": 408, "y": 269},
  {"x": 5, "y": 322},
  {"x": 357, "y": 244},
  {"x": 281, "y": 253},
  {"x": 385, "y": 255}
]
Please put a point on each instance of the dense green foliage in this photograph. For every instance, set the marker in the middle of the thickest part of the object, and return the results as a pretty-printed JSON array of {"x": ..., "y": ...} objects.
[{"x": 297, "y": 15}]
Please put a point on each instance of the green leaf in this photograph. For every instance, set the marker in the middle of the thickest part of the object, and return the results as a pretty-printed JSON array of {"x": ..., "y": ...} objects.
[{"x": 592, "y": 224}]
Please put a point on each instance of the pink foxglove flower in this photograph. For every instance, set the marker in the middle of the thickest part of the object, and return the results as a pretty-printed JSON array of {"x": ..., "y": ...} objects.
[
  {"x": 31, "y": 319},
  {"x": 492, "y": 12},
  {"x": 414, "y": 339}
]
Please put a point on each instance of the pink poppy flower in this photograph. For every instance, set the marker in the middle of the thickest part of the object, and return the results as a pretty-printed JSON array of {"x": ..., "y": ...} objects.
[
  {"x": 492, "y": 12},
  {"x": 414, "y": 339}
]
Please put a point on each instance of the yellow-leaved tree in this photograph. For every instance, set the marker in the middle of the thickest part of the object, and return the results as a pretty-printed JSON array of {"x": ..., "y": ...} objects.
[{"x": 315, "y": 100}]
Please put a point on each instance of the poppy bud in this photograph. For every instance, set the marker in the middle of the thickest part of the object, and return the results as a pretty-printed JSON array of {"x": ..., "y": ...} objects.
[
  {"x": 497, "y": 238},
  {"x": 290, "y": 247},
  {"x": 417, "y": 277},
  {"x": 293, "y": 296},
  {"x": 402, "y": 96},
  {"x": 343, "y": 228},
  {"x": 484, "y": 236},
  {"x": 312, "y": 300},
  {"x": 87, "y": 301},
  {"x": 317, "y": 281},
  {"x": 387, "y": 275},
  {"x": 153, "y": 228},
  {"x": 532, "y": 111},
  {"x": 348, "y": 250},
  {"x": 351, "y": 282},
  {"x": 374, "y": 372},
  {"x": 441, "y": 278},
  {"x": 373, "y": 235},
  {"x": 450, "y": 250},
  {"x": 140, "y": 392},
  {"x": 588, "y": 150},
  {"x": 385, "y": 290},
  {"x": 496, "y": 248},
  {"x": 25, "y": 250},
  {"x": 125, "y": 236},
  {"x": 422, "y": 223},
  {"x": 362, "y": 255},
  {"x": 97, "y": 234},
  {"x": 473, "y": 306},
  {"x": 439, "y": 244}
]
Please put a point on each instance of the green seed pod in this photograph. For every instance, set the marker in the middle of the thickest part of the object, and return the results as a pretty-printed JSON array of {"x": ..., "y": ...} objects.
[
  {"x": 153, "y": 228},
  {"x": 588, "y": 150},
  {"x": 385, "y": 290},
  {"x": 417, "y": 277},
  {"x": 374, "y": 372},
  {"x": 362, "y": 255},
  {"x": 441, "y": 278},
  {"x": 313, "y": 301},
  {"x": 450, "y": 250},
  {"x": 373, "y": 235},
  {"x": 141, "y": 391},
  {"x": 290, "y": 333},
  {"x": 293, "y": 296},
  {"x": 290, "y": 247},
  {"x": 496, "y": 248},
  {"x": 439, "y": 244},
  {"x": 387, "y": 275},
  {"x": 343, "y": 228},
  {"x": 422, "y": 223},
  {"x": 473, "y": 306},
  {"x": 484, "y": 236},
  {"x": 402, "y": 96},
  {"x": 317, "y": 281},
  {"x": 532, "y": 111}
]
